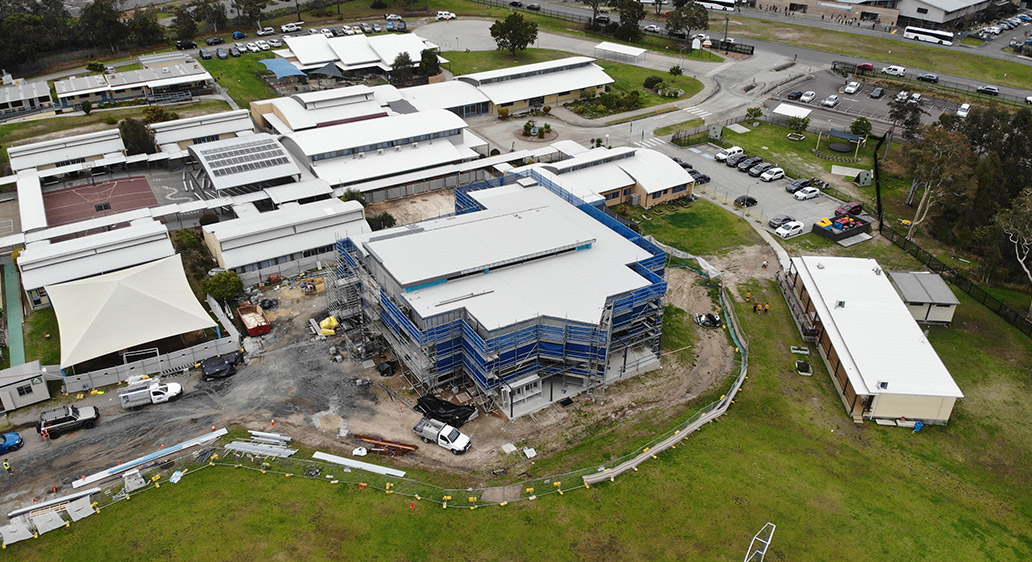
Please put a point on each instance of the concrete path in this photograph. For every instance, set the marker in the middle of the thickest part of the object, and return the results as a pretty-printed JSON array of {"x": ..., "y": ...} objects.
[{"x": 12, "y": 301}]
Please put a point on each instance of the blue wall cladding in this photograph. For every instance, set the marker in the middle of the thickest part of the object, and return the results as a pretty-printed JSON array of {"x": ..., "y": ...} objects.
[{"x": 466, "y": 204}]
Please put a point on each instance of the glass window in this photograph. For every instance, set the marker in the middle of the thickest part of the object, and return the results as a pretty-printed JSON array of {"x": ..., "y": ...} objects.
[{"x": 25, "y": 390}]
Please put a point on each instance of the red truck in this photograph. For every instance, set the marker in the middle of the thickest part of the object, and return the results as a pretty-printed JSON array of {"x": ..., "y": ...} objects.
[{"x": 254, "y": 319}]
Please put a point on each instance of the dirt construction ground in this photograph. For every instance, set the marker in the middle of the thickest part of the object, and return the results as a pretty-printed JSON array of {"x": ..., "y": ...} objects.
[{"x": 291, "y": 378}]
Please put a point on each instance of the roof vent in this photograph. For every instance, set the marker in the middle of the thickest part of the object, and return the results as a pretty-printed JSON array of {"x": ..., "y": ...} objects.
[
  {"x": 379, "y": 151},
  {"x": 415, "y": 145},
  {"x": 820, "y": 265},
  {"x": 877, "y": 271},
  {"x": 840, "y": 304},
  {"x": 361, "y": 154},
  {"x": 883, "y": 385}
]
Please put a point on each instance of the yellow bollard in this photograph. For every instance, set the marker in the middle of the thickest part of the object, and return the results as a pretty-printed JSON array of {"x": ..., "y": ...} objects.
[
  {"x": 503, "y": 504},
  {"x": 530, "y": 490},
  {"x": 447, "y": 498}
]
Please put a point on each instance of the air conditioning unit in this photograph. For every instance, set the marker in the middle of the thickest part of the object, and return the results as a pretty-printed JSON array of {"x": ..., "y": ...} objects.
[
  {"x": 415, "y": 145},
  {"x": 379, "y": 151},
  {"x": 397, "y": 148},
  {"x": 361, "y": 154}
]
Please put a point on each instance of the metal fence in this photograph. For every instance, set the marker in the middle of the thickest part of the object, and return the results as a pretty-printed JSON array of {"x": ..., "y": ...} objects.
[
  {"x": 1017, "y": 319},
  {"x": 543, "y": 11}
]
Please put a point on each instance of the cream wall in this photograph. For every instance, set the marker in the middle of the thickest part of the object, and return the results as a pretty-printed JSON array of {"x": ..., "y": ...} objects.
[
  {"x": 931, "y": 409},
  {"x": 214, "y": 247}
]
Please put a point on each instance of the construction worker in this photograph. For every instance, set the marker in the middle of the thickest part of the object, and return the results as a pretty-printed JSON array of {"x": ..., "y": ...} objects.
[
  {"x": 45, "y": 434},
  {"x": 7, "y": 467},
  {"x": 748, "y": 296},
  {"x": 766, "y": 308}
]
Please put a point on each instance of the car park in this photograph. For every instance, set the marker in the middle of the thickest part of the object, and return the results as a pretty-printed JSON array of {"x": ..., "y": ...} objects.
[
  {"x": 653, "y": 28},
  {"x": 266, "y": 31},
  {"x": 275, "y": 43},
  {"x": 779, "y": 220},
  {"x": 262, "y": 44},
  {"x": 12, "y": 441},
  {"x": 988, "y": 90},
  {"x": 221, "y": 53},
  {"x": 534, "y": 7},
  {"x": 865, "y": 66},
  {"x": 733, "y": 161},
  {"x": 745, "y": 165},
  {"x": 851, "y": 208},
  {"x": 183, "y": 45},
  {"x": 894, "y": 70},
  {"x": 758, "y": 170},
  {"x": 239, "y": 35},
  {"x": 234, "y": 52},
  {"x": 852, "y": 88},
  {"x": 965, "y": 108},
  {"x": 932, "y": 78},
  {"x": 796, "y": 185},
  {"x": 772, "y": 174},
  {"x": 830, "y": 101},
  {"x": 877, "y": 93},
  {"x": 789, "y": 229},
  {"x": 807, "y": 97},
  {"x": 807, "y": 193},
  {"x": 699, "y": 177},
  {"x": 445, "y": 15},
  {"x": 205, "y": 54},
  {"x": 745, "y": 201},
  {"x": 794, "y": 95},
  {"x": 212, "y": 41}
]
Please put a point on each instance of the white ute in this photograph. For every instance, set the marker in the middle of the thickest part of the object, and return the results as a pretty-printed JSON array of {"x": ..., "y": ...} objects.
[
  {"x": 434, "y": 431},
  {"x": 143, "y": 391}
]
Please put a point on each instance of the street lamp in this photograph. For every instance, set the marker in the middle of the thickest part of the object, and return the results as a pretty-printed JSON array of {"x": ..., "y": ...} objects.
[
  {"x": 726, "y": 19},
  {"x": 607, "y": 140}
]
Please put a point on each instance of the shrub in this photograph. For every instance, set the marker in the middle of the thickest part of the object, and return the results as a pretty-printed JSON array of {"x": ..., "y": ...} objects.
[
  {"x": 676, "y": 70},
  {"x": 653, "y": 81},
  {"x": 208, "y": 218},
  {"x": 541, "y": 133},
  {"x": 223, "y": 285},
  {"x": 378, "y": 5},
  {"x": 548, "y": 128},
  {"x": 528, "y": 127},
  {"x": 353, "y": 195},
  {"x": 187, "y": 239},
  {"x": 754, "y": 113},
  {"x": 546, "y": 110},
  {"x": 495, "y": 152},
  {"x": 94, "y": 66},
  {"x": 87, "y": 107},
  {"x": 381, "y": 221},
  {"x": 503, "y": 113},
  {"x": 109, "y": 120}
]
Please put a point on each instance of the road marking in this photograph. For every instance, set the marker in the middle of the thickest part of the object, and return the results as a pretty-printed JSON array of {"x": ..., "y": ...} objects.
[
  {"x": 697, "y": 111},
  {"x": 695, "y": 150},
  {"x": 650, "y": 142},
  {"x": 719, "y": 69}
]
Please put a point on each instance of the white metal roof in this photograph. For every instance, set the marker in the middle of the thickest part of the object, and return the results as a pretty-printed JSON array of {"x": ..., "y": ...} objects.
[
  {"x": 44, "y": 263},
  {"x": 443, "y": 95},
  {"x": 293, "y": 116},
  {"x": 653, "y": 171},
  {"x": 789, "y": 110},
  {"x": 620, "y": 49},
  {"x": 569, "y": 147},
  {"x": 334, "y": 96},
  {"x": 311, "y": 49},
  {"x": 875, "y": 335},
  {"x": 80, "y": 85},
  {"x": 18, "y": 373},
  {"x": 354, "y": 50},
  {"x": 162, "y": 59},
  {"x": 31, "y": 211},
  {"x": 517, "y": 222},
  {"x": 25, "y": 91},
  {"x": 592, "y": 181},
  {"x": 162, "y": 75},
  {"x": 545, "y": 84},
  {"x": 371, "y": 165},
  {"x": 923, "y": 287},
  {"x": 390, "y": 45},
  {"x": 202, "y": 126},
  {"x": 66, "y": 148},
  {"x": 298, "y": 190},
  {"x": 950, "y": 6},
  {"x": 289, "y": 229},
  {"x": 370, "y": 132},
  {"x": 244, "y": 161},
  {"x": 119, "y": 310},
  {"x": 522, "y": 71}
]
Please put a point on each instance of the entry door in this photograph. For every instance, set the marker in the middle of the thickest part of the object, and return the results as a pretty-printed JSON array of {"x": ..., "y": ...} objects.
[{"x": 538, "y": 101}]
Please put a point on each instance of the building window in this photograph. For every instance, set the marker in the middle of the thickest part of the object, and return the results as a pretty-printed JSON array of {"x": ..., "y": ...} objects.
[
  {"x": 209, "y": 138},
  {"x": 25, "y": 390},
  {"x": 922, "y": 10},
  {"x": 506, "y": 104},
  {"x": 69, "y": 162},
  {"x": 627, "y": 192},
  {"x": 680, "y": 188},
  {"x": 102, "y": 207}
]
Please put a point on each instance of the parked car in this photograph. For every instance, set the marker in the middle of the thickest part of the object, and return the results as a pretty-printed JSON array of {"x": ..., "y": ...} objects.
[
  {"x": 772, "y": 174},
  {"x": 241, "y": 47},
  {"x": 205, "y": 54},
  {"x": 262, "y": 44},
  {"x": 1028, "y": 100},
  {"x": 894, "y": 70},
  {"x": 445, "y": 15},
  {"x": 212, "y": 41},
  {"x": 357, "y": 30},
  {"x": 877, "y": 93},
  {"x": 366, "y": 27},
  {"x": 726, "y": 153},
  {"x": 377, "y": 28},
  {"x": 830, "y": 101},
  {"x": 852, "y": 88},
  {"x": 932, "y": 78},
  {"x": 516, "y": 4},
  {"x": 392, "y": 17},
  {"x": 234, "y": 52},
  {"x": 65, "y": 419},
  {"x": 708, "y": 320},
  {"x": 183, "y": 45},
  {"x": 735, "y": 160},
  {"x": 796, "y": 185},
  {"x": 965, "y": 108},
  {"x": 291, "y": 27},
  {"x": 851, "y": 208},
  {"x": 326, "y": 33},
  {"x": 221, "y": 53},
  {"x": 779, "y": 220},
  {"x": 865, "y": 66},
  {"x": 791, "y": 228},
  {"x": 344, "y": 31},
  {"x": 266, "y": 31},
  {"x": 398, "y": 26},
  {"x": 653, "y": 28},
  {"x": 757, "y": 170},
  {"x": 12, "y": 442},
  {"x": 902, "y": 96},
  {"x": 916, "y": 97},
  {"x": 239, "y": 35},
  {"x": 222, "y": 366},
  {"x": 988, "y": 90},
  {"x": 603, "y": 19},
  {"x": 534, "y": 7},
  {"x": 682, "y": 163},
  {"x": 807, "y": 193},
  {"x": 745, "y": 165},
  {"x": 808, "y": 96},
  {"x": 699, "y": 177},
  {"x": 794, "y": 95},
  {"x": 745, "y": 201},
  {"x": 275, "y": 43}
]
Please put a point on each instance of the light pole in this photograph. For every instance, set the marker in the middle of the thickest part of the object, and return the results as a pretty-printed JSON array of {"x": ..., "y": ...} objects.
[
  {"x": 607, "y": 140},
  {"x": 726, "y": 19}
]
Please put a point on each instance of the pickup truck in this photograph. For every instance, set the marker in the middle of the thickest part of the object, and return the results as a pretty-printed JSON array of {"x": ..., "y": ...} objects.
[
  {"x": 433, "y": 431},
  {"x": 65, "y": 419},
  {"x": 149, "y": 391}
]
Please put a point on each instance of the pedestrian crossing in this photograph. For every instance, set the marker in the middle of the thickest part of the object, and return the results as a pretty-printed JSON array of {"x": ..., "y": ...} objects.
[
  {"x": 697, "y": 111},
  {"x": 650, "y": 142},
  {"x": 719, "y": 69}
]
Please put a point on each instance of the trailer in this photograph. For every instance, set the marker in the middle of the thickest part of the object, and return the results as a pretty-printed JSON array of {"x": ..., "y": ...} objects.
[{"x": 254, "y": 319}]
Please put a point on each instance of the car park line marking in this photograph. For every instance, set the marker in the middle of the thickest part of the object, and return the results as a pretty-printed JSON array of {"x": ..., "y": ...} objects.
[{"x": 695, "y": 150}]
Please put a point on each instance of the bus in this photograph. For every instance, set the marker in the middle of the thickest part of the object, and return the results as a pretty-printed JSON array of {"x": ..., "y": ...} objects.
[
  {"x": 719, "y": 5},
  {"x": 929, "y": 35}
]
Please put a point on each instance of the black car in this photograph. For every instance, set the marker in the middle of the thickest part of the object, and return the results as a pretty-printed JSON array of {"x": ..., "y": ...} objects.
[
  {"x": 699, "y": 177},
  {"x": 929, "y": 78},
  {"x": 877, "y": 93},
  {"x": 534, "y": 7},
  {"x": 222, "y": 366},
  {"x": 212, "y": 41},
  {"x": 794, "y": 95},
  {"x": 744, "y": 165},
  {"x": 796, "y": 185},
  {"x": 183, "y": 45},
  {"x": 516, "y": 4},
  {"x": 602, "y": 18},
  {"x": 682, "y": 163},
  {"x": 758, "y": 169},
  {"x": 205, "y": 54},
  {"x": 708, "y": 320},
  {"x": 745, "y": 201},
  {"x": 234, "y": 52},
  {"x": 221, "y": 53},
  {"x": 779, "y": 220},
  {"x": 988, "y": 90},
  {"x": 733, "y": 161}
]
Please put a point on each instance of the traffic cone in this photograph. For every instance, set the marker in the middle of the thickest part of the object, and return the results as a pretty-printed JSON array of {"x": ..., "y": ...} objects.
[
  {"x": 273, "y": 423},
  {"x": 213, "y": 429}
]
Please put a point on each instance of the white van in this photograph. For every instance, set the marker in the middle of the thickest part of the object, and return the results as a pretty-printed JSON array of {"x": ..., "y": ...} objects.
[
  {"x": 291, "y": 27},
  {"x": 894, "y": 70},
  {"x": 728, "y": 153}
]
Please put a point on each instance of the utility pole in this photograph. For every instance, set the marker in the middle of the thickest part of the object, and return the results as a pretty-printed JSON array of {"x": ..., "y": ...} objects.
[{"x": 726, "y": 19}]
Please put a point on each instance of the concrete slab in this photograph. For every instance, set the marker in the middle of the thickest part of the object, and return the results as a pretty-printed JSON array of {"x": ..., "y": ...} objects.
[
  {"x": 738, "y": 128},
  {"x": 845, "y": 171},
  {"x": 508, "y": 448}
]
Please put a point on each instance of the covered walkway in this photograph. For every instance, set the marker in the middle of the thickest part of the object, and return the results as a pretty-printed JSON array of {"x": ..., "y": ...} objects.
[{"x": 12, "y": 301}]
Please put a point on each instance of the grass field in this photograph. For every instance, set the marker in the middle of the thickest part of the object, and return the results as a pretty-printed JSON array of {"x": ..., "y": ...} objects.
[
  {"x": 47, "y": 350},
  {"x": 240, "y": 77},
  {"x": 703, "y": 229},
  {"x": 969, "y": 65},
  {"x": 682, "y": 126}
]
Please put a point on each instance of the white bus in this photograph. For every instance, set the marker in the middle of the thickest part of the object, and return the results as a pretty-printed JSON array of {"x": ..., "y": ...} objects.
[
  {"x": 929, "y": 35},
  {"x": 719, "y": 5}
]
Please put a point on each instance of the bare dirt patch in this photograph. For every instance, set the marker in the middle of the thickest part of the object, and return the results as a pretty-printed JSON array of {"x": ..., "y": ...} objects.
[{"x": 416, "y": 208}]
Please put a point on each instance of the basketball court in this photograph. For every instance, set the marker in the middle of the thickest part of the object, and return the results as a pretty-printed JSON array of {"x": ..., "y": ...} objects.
[{"x": 102, "y": 198}]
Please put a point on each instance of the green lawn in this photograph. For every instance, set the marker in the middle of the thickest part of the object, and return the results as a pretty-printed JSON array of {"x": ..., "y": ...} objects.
[
  {"x": 239, "y": 75},
  {"x": 682, "y": 126},
  {"x": 703, "y": 229},
  {"x": 1016, "y": 299},
  {"x": 678, "y": 334},
  {"x": 973, "y": 41},
  {"x": 47, "y": 350},
  {"x": 969, "y": 65}
]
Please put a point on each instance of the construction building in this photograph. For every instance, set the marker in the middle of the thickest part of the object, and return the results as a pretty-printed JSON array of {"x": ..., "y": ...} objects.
[{"x": 525, "y": 297}]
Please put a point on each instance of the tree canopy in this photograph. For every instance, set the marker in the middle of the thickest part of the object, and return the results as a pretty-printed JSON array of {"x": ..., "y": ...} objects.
[
  {"x": 687, "y": 18},
  {"x": 223, "y": 286},
  {"x": 514, "y": 33},
  {"x": 137, "y": 136}
]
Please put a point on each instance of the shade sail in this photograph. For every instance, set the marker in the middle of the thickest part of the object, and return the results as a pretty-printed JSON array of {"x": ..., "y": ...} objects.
[
  {"x": 115, "y": 311},
  {"x": 282, "y": 67},
  {"x": 329, "y": 70}
]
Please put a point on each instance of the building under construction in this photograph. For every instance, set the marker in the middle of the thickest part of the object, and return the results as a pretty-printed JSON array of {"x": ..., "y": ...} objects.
[{"x": 526, "y": 296}]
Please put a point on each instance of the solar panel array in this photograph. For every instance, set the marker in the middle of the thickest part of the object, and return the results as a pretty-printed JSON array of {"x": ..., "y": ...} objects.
[{"x": 245, "y": 157}]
